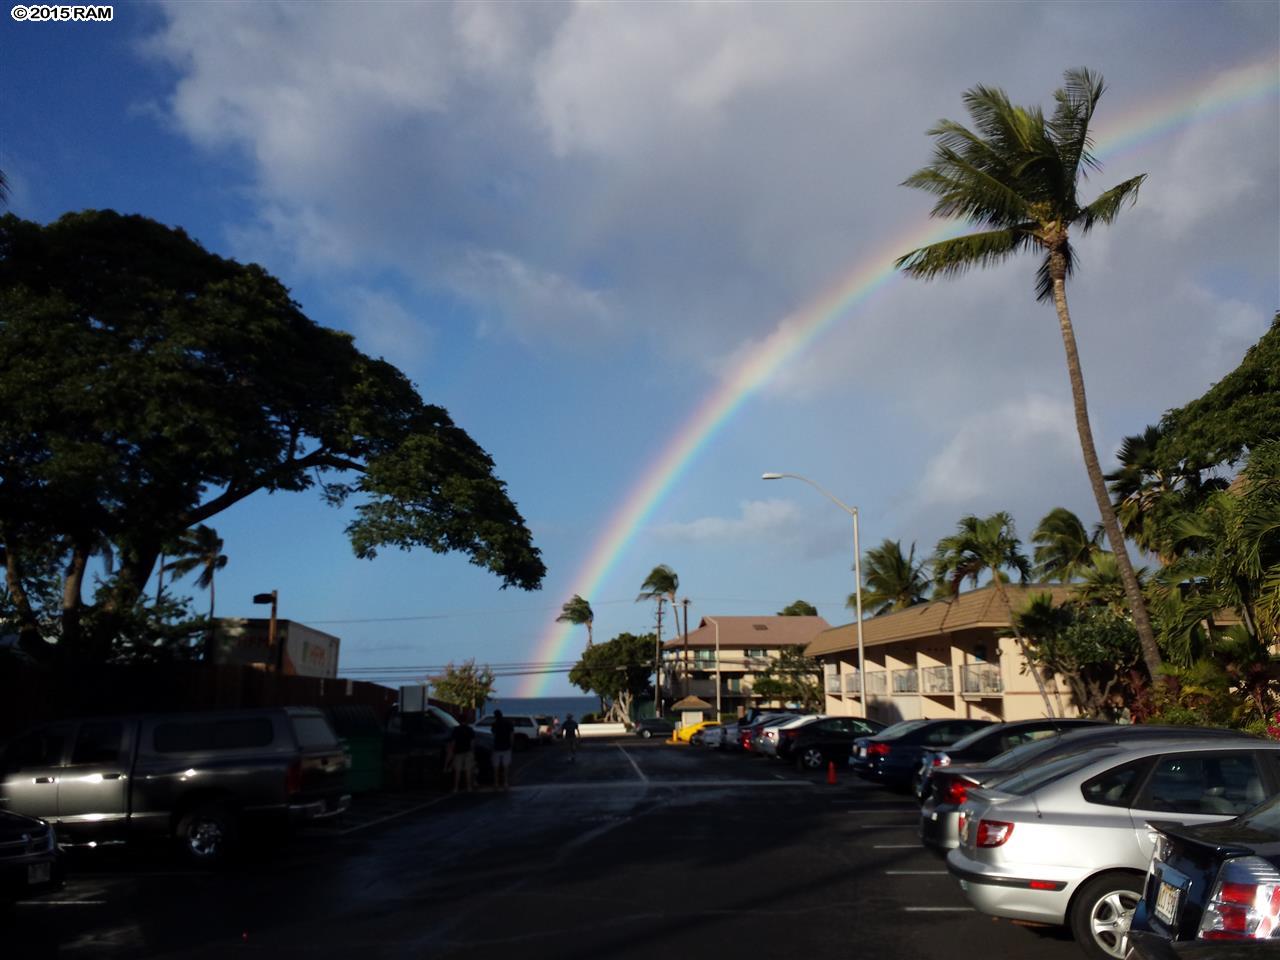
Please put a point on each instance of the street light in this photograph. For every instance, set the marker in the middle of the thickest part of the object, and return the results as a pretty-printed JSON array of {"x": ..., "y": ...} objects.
[
  {"x": 717, "y": 623},
  {"x": 271, "y": 598},
  {"x": 857, "y": 573}
]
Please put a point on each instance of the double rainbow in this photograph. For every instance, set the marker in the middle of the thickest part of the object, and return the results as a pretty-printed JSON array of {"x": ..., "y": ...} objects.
[{"x": 1233, "y": 90}]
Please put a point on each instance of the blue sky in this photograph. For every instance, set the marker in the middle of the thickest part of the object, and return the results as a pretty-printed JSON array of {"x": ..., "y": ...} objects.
[{"x": 564, "y": 223}]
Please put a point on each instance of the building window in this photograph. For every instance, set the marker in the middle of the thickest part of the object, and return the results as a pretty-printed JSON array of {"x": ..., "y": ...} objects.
[
  {"x": 733, "y": 684},
  {"x": 755, "y": 654},
  {"x": 704, "y": 655}
]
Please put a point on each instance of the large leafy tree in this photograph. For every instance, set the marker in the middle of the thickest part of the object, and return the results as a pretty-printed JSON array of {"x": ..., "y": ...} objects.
[
  {"x": 791, "y": 678},
  {"x": 892, "y": 580},
  {"x": 799, "y": 608},
  {"x": 1017, "y": 174},
  {"x": 200, "y": 550},
  {"x": 464, "y": 684},
  {"x": 617, "y": 671},
  {"x": 988, "y": 545},
  {"x": 1064, "y": 550},
  {"x": 148, "y": 385},
  {"x": 578, "y": 612}
]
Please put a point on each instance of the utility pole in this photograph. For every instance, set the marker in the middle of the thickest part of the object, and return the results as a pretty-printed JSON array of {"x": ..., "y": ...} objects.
[
  {"x": 657, "y": 665},
  {"x": 685, "y": 603}
]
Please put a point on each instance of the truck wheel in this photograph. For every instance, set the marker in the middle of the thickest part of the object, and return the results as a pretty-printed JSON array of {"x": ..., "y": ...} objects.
[{"x": 207, "y": 834}]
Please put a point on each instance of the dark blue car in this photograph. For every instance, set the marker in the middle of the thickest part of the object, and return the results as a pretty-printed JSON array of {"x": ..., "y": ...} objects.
[{"x": 893, "y": 755}]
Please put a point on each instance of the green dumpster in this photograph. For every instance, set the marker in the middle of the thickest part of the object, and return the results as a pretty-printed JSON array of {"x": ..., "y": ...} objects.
[{"x": 364, "y": 759}]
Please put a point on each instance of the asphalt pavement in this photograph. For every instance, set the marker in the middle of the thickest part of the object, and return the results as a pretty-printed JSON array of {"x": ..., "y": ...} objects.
[{"x": 632, "y": 849}]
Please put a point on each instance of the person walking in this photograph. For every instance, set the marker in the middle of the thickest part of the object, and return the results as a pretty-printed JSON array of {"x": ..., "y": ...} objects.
[
  {"x": 570, "y": 730},
  {"x": 504, "y": 732},
  {"x": 460, "y": 756}
]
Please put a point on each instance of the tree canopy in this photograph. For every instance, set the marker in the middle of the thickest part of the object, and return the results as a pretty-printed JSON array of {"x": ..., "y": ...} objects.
[
  {"x": 148, "y": 385},
  {"x": 799, "y": 608},
  {"x": 466, "y": 684},
  {"x": 618, "y": 670}
]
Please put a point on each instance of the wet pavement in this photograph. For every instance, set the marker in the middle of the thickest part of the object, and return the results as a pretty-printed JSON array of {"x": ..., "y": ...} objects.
[{"x": 633, "y": 849}]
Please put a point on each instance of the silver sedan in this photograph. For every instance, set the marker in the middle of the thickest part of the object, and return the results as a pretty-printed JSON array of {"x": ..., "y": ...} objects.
[{"x": 1066, "y": 842}]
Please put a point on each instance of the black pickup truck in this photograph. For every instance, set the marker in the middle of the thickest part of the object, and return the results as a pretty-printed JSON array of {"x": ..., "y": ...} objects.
[{"x": 196, "y": 777}]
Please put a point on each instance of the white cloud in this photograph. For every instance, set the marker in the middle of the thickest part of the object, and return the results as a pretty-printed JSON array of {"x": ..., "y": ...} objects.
[
  {"x": 384, "y": 328},
  {"x": 757, "y": 519}
]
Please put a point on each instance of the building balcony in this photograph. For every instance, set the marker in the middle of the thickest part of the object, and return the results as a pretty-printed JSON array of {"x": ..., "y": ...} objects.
[
  {"x": 906, "y": 681},
  {"x": 981, "y": 680},
  {"x": 937, "y": 680},
  {"x": 833, "y": 683},
  {"x": 877, "y": 683},
  {"x": 852, "y": 684}
]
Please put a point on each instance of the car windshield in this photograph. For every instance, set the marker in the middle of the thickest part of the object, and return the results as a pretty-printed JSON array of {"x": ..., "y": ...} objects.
[
  {"x": 1043, "y": 774},
  {"x": 972, "y": 738},
  {"x": 901, "y": 727}
]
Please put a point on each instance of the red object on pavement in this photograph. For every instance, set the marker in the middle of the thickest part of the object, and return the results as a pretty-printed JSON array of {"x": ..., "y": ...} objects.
[{"x": 831, "y": 772}]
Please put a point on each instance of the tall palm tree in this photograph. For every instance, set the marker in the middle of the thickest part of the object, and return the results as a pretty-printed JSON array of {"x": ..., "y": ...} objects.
[
  {"x": 1017, "y": 175},
  {"x": 892, "y": 581},
  {"x": 578, "y": 612},
  {"x": 988, "y": 545},
  {"x": 1100, "y": 582},
  {"x": 661, "y": 584},
  {"x": 201, "y": 550},
  {"x": 1063, "y": 549}
]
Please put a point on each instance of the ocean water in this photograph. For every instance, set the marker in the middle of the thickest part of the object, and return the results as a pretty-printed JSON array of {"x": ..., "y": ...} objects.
[{"x": 552, "y": 706}]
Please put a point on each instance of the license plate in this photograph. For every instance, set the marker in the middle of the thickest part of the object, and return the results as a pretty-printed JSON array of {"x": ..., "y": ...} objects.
[
  {"x": 1167, "y": 902},
  {"x": 862, "y": 753},
  {"x": 39, "y": 873}
]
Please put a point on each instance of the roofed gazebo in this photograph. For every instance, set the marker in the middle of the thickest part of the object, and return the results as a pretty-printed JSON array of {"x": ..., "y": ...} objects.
[{"x": 691, "y": 709}]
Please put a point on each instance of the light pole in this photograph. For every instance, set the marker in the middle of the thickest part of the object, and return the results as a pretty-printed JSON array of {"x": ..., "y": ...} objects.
[
  {"x": 272, "y": 598},
  {"x": 717, "y": 623},
  {"x": 857, "y": 574}
]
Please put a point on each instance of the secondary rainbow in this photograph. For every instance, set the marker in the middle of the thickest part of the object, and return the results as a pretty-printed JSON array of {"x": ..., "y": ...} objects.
[{"x": 1128, "y": 131}]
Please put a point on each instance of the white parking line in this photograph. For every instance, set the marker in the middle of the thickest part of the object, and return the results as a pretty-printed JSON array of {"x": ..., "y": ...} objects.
[
  {"x": 938, "y": 909},
  {"x": 61, "y": 903},
  {"x": 915, "y": 873},
  {"x": 390, "y": 816},
  {"x": 634, "y": 766},
  {"x": 895, "y": 846}
]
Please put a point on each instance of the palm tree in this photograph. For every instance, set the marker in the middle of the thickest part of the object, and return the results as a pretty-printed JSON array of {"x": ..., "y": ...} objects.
[
  {"x": 201, "y": 550},
  {"x": 1063, "y": 549},
  {"x": 578, "y": 612},
  {"x": 988, "y": 545},
  {"x": 662, "y": 584},
  {"x": 1100, "y": 582},
  {"x": 1018, "y": 176},
  {"x": 892, "y": 581}
]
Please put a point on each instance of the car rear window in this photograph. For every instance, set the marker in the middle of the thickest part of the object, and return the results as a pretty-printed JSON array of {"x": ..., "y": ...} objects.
[
  {"x": 1042, "y": 774},
  {"x": 193, "y": 736},
  {"x": 901, "y": 727},
  {"x": 313, "y": 732}
]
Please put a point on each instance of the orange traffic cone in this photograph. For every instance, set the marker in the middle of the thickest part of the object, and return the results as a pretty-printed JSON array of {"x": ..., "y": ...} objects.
[{"x": 831, "y": 773}]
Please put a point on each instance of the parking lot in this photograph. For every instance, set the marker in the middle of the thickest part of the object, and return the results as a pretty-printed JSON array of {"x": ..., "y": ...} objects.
[{"x": 634, "y": 848}]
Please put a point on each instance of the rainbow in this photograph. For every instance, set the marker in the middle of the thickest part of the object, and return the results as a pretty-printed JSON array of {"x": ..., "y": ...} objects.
[{"x": 1130, "y": 130}]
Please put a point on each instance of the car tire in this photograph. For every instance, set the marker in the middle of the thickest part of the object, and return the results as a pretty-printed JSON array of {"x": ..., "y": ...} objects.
[
  {"x": 646, "y": 734},
  {"x": 1101, "y": 912},
  {"x": 810, "y": 758},
  {"x": 207, "y": 834}
]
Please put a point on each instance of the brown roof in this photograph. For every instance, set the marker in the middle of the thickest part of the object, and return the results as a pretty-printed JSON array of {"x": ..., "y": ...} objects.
[
  {"x": 977, "y": 608},
  {"x": 751, "y": 633}
]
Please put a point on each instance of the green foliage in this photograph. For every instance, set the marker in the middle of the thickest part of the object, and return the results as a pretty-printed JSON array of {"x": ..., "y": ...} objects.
[
  {"x": 465, "y": 684},
  {"x": 891, "y": 580},
  {"x": 662, "y": 582},
  {"x": 578, "y": 612},
  {"x": 617, "y": 671},
  {"x": 799, "y": 608},
  {"x": 148, "y": 385},
  {"x": 980, "y": 545},
  {"x": 1063, "y": 548},
  {"x": 791, "y": 678}
]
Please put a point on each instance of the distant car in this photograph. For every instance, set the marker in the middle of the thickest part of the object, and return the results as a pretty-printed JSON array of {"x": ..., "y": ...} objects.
[
  {"x": 654, "y": 727},
  {"x": 685, "y": 734},
  {"x": 29, "y": 858},
  {"x": 748, "y": 732},
  {"x": 525, "y": 729},
  {"x": 892, "y": 756},
  {"x": 713, "y": 737},
  {"x": 767, "y": 743},
  {"x": 949, "y": 785},
  {"x": 813, "y": 745},
  {"x": 548, "y": 727},
  {"x": 1217, "y": 882},
  {"x": 984, "y": 744},
  {"x": 1066, "y": 842}
]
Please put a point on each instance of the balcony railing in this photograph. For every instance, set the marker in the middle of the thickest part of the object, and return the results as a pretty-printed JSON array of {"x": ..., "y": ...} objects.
[
  {"x": 852, "y": 683},
  {"x": 906, "y": 681},
  {"x": 981, "y": 679},
  {"x": 877, "y": 684},
  {"x": 937, "y": 680},
  {"x": 833, "y": 683}
]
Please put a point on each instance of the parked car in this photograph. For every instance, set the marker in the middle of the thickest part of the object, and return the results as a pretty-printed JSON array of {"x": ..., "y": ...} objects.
[
  {"x": 654, "y": 727},
  {"x": 548, "y": 727},
  {"x": 892, "y": 756},
  {"x": 29, "y": 859},
  {"x": 685, "y": 734},
  {"x": 767, "y": 743},
  {"x": 525, "y": 729},
  {"x": 196, "y": 776},
  {"x": 813, "y": 745},
  {"x": 1216, "y": 882},
  {"x": 1066, "y": 842},
  {"x": 713, "y": 737},
  {"x": 421, "y": 739},
  {"x": 985, "y": 744},
  {"x": 949, "y": 786},
  {"x": 757, "y": 730}
]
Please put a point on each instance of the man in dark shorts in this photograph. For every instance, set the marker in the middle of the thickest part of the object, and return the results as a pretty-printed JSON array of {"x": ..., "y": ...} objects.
[
  {"x": 569, "y": 730},
  {"x": 461, "y": 756},
  {"x": 504, "y": 732}
]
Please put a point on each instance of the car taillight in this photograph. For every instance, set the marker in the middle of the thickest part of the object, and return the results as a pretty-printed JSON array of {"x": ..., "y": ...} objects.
[
  {"x": 1245, "y": 902},
  {"x": 992, "y": 833},
  {"x": 293, "y": 778},
  {"x": 878, "y": 749},
  {"x": 791, "y": 734},
  {"x": 941, "y": 760},
  {"x": 956, "y": 792}
]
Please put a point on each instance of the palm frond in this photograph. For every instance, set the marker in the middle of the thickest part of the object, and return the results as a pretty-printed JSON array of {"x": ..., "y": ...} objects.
[
  {"x": 1107, "y": 206},
  {"x": 949, "y": 258},
  {"x": 1076, "y": 101}
]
